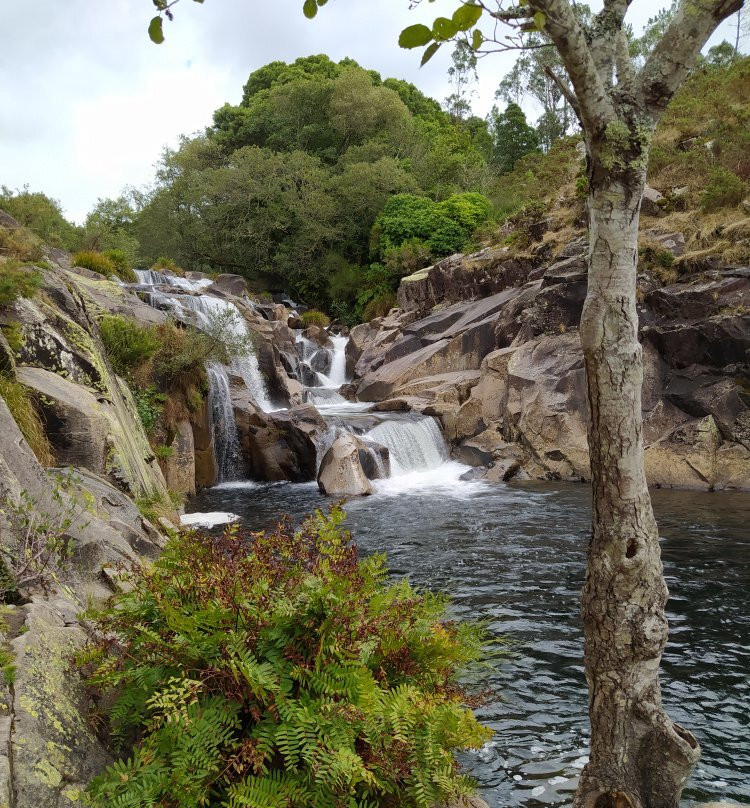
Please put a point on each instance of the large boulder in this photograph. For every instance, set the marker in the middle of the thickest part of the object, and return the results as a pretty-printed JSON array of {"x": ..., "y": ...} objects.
[
  {"x": 228, "y": 284},
  {"x": 341, "y": 472},
  {"x": 460, "y": 278},
  {"x": 281, "y": 445}
]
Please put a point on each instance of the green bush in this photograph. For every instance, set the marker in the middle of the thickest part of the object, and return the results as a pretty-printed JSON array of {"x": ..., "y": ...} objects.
[
  {"x": 21, "y": 244},
  {"x": 725, "y": 189},
  {"x": 277, "y": 669},
  {"x": 149, "y": 403},
  {"x": 315, "y": 317},
  {"x": 95, "y": 261},
  {"x": 17, "y": 281},
  {"x": 443, "y": 227},
  {"x": 379, "y": 307},
  {"x": 127, "y": 343},
  {"x": 167, "y": 265},
  {"x": 123, "y": 270}
]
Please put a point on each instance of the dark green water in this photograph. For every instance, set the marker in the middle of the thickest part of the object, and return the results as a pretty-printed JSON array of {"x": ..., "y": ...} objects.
[{"x": 515, "y": 556}]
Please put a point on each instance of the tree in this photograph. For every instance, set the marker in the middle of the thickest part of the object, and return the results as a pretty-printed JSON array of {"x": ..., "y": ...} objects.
[
  {"x": 462, "y": 74},
  {"x": 512, "y": 136},
  {"x": 639, "y": 757},
  {"x": 41, "y": 215}
]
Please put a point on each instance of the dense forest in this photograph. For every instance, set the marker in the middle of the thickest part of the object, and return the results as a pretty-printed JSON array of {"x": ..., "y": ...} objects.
[{"x": 329, "y": 183}]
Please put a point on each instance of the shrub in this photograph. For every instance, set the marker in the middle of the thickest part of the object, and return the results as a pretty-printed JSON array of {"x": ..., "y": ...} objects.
[
  {"x": 95, "y": 261},
  {"x": 127, "y": 343},
  {"x": 20, "y": 243},
  {"x": 149, "y": 403},
  {"x": 13, "y": 333},
  {"x": 444, "y": 227},
  {"x": 315, "y": 317},
  {"x": 408, "y": 258},
  {"x": 379, "y": 307},
  {"x": 123, "y": 270},
  {"x": 724, "y": 189},
  {"x": 277, "y": 669},
  {"x": 17, "y": 281},
  {"x": 167, "y": 265},
  {"x": 24, "y": 412}
]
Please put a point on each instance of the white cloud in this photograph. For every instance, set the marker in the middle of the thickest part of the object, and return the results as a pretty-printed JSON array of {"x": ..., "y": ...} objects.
[{"x": 87, "y": 102}]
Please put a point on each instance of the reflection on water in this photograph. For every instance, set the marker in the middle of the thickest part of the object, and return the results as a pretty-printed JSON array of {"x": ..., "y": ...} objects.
[{"x": 515, "y": 556}]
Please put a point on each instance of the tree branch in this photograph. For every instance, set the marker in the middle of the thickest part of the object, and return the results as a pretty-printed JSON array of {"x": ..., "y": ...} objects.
[
  {"x": 676, "y": 53},
  {"x": 595, "y": 107},
  {"x": 566, "y": 91}
]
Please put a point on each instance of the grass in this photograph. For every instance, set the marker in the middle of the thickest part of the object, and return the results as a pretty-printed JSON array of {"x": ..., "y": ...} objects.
[{"x": 24, "y": 412}]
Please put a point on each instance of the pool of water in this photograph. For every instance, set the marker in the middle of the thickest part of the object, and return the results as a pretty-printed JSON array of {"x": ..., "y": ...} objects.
[{"x": 515, "y": 556}]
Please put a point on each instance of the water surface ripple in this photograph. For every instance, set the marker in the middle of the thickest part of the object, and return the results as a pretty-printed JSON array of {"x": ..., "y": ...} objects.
[{"x": 515, "y": 555}]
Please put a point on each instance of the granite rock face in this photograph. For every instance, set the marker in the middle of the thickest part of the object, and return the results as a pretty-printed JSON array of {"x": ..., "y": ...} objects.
[{"x": 489, "y": 345}]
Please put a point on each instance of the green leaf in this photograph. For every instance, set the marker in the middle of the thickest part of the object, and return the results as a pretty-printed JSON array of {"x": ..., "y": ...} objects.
[
  {"x": 415, "y": 36},
  {"x": 310, "y": 9},
  {"x": 443, "y": 29},
  {"x": 539, "y": 19},
  {"x": 155, "y": 32},
  {"x": 429, "y": 53},
  {"x": 197, "y": 1},
  {"x": 467, "y": 16},
  {"x": 477, "y": 40}
]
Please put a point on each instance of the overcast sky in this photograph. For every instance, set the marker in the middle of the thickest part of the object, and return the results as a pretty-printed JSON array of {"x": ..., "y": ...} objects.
[{"x": 87, "y": 102}]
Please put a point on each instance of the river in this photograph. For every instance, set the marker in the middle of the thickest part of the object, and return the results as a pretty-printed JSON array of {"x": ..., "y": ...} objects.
[{"x": 514, "y": 555}]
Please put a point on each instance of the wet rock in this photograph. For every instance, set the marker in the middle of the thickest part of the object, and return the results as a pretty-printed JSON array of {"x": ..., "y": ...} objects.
[
  {"x": 229, "y": 284},
  {"x": 341, "y": 472},
  {"x": 320, "y": 361},
  {"x": 279, "y": 445},
  {"x": 375, "y": 459}
]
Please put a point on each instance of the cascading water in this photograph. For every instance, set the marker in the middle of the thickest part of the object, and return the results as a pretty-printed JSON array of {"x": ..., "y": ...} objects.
[
  {"x": 415, "y": 443},
  {"x": 150, "y": 277},
  {"x": 203, "y": 310},
  {"x": 207, "y": 309},
  {"x": 226, "y": 439}
]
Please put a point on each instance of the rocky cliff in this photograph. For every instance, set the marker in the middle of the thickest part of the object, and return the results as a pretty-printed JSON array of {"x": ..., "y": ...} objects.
[{"x": 488, "y": 343}]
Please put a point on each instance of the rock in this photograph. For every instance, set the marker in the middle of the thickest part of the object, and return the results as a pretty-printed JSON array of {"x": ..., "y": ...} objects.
[
  {"x": 95, "y": 433},
  {"x": 320, "y": 361},
  {"x": 459, "y": 278},
  {"x": 341, "y": 472},
  {"x": 375, "y": 459},
  {"x": 652, "y": 202},
  {"x": 55, "y": 750},
  {"x": 317, "y": 334},
  {"x": 228, "y": 284},
  {"x": 716, "y": 342},
  {"x": 674, "y": 241},
  {"x": 278, "y": 445},
  {"x": 206, "y": 473},
  {"x": 179, "y": 466},
  {"x": 700, "y": 299}
]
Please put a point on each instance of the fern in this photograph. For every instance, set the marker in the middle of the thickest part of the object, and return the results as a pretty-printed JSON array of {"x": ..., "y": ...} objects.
[{"x": 278, "y": 669}]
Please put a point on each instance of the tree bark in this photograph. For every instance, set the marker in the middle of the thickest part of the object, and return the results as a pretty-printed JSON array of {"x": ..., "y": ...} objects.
[{"x": 639, "y": 757}]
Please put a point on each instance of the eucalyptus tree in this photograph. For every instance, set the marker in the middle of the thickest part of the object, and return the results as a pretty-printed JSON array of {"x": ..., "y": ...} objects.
[{"x": 639, "y": 757}]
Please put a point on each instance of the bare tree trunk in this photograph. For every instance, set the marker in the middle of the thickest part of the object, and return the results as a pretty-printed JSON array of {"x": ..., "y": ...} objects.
[{"x": 639, "y": 757}]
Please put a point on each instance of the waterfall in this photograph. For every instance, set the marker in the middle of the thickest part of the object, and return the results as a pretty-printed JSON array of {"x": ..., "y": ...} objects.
[
  {"x": 206, "y": 308},
  {"x": 223, "y": 425},
  {"x": 150, "y": 277},
  {"x": 415, "y": 443},
  {"x": 337, "y": 374},
  {"x": 190, "y": 305}
]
